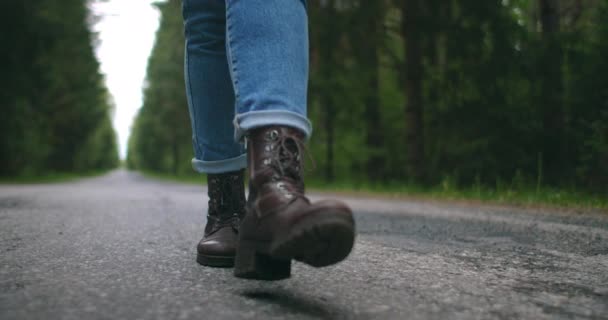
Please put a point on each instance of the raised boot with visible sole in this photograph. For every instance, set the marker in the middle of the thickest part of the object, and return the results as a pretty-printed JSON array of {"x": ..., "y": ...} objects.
[
  {"x": 281, "y": 224},
  {"x": 226, "y": 209}
]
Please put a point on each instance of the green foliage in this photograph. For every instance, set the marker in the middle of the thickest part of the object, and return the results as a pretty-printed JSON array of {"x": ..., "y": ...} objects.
[
  {"x": 161, "y": 137},
  {"x": 507, "y": 101},
  {"x": 485, "y": 84},
  {"x": 56, "y": 110},
  {"x": 501, "y": 194}
]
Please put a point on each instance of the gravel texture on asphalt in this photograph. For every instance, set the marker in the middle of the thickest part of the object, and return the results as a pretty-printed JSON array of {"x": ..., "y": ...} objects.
[{"x": 122, "y": 246}]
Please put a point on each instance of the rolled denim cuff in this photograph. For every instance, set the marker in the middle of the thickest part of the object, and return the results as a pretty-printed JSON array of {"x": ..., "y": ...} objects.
[
  {"x": 263, "y": 118},
  {"x": 220, "y": 166}
]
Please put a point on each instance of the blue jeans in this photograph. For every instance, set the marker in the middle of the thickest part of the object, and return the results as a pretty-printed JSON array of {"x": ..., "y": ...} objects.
[{"x": 246, "y": 66}]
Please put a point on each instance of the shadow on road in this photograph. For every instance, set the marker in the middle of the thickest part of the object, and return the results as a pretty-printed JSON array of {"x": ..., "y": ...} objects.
[{"x": 292, "y": 303}]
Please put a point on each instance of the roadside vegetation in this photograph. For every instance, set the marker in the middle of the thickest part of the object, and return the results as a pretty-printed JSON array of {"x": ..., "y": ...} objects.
[
  {"x": 498, "y": 101},
  {"x": 56, "y": 110},
  {"x": 501, "y": 101},
  {"x": 502, "y": 194}
]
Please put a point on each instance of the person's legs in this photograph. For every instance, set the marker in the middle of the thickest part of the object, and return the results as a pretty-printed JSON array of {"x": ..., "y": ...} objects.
[
  {"x": 211, "y": 105},
  {"x": 267, "y": 44}
]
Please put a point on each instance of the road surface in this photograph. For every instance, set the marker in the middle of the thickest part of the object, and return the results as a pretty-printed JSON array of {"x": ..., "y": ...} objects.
[{"x": 122, "y": 246}]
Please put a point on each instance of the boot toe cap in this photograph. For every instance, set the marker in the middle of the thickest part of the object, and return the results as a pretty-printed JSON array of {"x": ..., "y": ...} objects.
[
  {"x": 216, "y": 247},
  {"x": 222, "y": 243}
]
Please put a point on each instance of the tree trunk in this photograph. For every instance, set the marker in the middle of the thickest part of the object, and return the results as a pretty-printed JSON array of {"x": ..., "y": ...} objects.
[
  {"x": 372, "y": 13},
  {"x": 174, "y": 155},
  {"x": 414, "y": 136},
  {"x": 328, "y": 40},
  {"x": 552, "y": 111},
  {"x": 329, "y": 131}
]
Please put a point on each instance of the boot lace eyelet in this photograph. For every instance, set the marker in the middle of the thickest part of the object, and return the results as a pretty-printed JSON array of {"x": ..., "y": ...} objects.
[
  {"x": 274, "y": 134},
  {"x": 282, "y": 187}
]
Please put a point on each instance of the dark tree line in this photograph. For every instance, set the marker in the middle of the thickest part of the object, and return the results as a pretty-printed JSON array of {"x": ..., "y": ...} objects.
[
  {"x": 470, "y": 91},
  {"x": 55, "y": 106},
  {"x": 424, "y": 91}
]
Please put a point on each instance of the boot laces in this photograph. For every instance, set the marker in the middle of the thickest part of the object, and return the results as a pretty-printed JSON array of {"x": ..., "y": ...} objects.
[
  {"x": 224, "y": 202},
  {"x": 223, "y": 221},
  {"x": 286, "y": 162}
]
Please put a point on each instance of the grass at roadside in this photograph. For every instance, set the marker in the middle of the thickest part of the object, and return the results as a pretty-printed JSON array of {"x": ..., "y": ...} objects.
[
  {"x": 50, "y": 177},
  {"x": 526, "y": 197}
]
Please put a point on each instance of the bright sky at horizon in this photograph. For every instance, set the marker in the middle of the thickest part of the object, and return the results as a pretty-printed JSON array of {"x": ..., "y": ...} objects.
[{"x": 126, "y": 32}]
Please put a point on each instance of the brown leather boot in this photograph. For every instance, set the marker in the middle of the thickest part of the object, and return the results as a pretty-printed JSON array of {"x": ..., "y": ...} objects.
[
  {"x": 281, "y": 224},
  {"x": 226, "y": 209}
]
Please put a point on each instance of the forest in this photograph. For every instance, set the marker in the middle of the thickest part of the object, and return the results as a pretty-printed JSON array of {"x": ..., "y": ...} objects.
[
  {"x": 56, "y": 110},
  {"x": 465, "y": 93},
  {"x": 487, "y": 93}
]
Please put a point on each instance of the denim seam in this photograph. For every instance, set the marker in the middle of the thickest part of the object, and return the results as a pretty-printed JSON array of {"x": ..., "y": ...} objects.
[
  {"x": 191, "y": 102},
  {"x": 233, "y": 64}
]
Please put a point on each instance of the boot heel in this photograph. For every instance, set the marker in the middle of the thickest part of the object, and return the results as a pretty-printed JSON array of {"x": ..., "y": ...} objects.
[{"x": 250, "y": 264}]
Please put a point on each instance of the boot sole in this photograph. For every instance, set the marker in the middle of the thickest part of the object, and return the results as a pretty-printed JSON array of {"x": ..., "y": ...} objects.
[
  {"x": 215, "y": 261},
  {"x": 318, "y": 241}
]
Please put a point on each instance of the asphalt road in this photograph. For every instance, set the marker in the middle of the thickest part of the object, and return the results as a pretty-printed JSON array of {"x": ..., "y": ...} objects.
[{"x": 122, "y": 246}]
